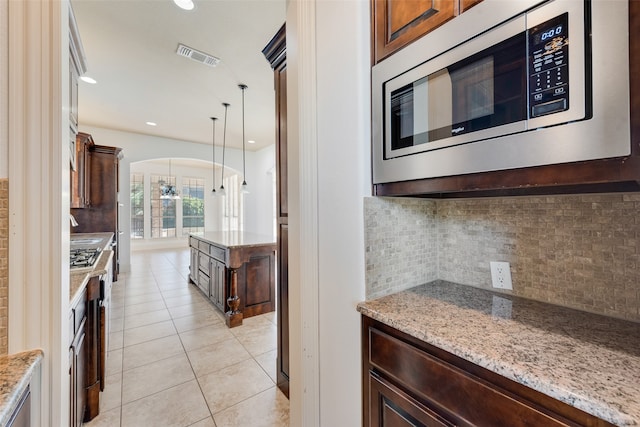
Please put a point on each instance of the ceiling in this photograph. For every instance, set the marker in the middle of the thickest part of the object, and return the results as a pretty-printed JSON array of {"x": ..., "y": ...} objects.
[{"x": 130, "y": 47}]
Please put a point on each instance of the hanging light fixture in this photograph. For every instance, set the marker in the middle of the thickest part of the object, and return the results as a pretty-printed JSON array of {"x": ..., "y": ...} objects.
[
  {"x": 244, "y": 187},
  {"x": 167, "y": 190},
  {"x": 224, "y": 148},
  {"x": 213, "y": 155}
]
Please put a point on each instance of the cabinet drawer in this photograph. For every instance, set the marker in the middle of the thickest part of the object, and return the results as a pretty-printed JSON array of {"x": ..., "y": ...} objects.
[
  {"x": 396, "y": 408},
  {"x": 454, "y": 393},
  {"x": 193, "y": 242},
  {"x": 203, "y": 264},
  {"x": 203, "y": 246},
  {"x": 218, "y": 253},
  {"x": 203, "y": 282}
]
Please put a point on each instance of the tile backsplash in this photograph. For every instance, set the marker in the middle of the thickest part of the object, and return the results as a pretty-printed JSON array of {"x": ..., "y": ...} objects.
[
  {"x": 401, "y": 248},
  {"x": 579, "y": 251},
  {"x": 4, "y": 265}
]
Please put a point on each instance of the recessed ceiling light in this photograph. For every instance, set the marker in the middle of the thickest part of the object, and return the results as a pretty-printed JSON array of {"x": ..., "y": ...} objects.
[
  {"x": 251, "y": 141},
  {"x": 88, "y": 79},
  {"x": 152, "y": 124},
  {"x": 185, "y": 4}
]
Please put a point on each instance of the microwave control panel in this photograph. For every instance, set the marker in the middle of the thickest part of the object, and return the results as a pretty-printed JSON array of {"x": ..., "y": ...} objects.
[{"x": 549, "y": 67}]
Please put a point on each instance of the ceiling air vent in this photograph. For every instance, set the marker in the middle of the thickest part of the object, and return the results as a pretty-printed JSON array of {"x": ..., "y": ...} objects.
[{"x": 198, "y": 56}]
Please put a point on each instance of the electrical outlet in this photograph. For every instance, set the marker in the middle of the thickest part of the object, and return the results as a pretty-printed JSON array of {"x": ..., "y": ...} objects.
[{"x": 501, "y": 275}]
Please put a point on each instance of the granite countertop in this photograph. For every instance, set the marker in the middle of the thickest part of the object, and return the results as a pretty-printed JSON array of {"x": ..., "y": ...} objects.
[
  {"x": 16, "y": 371},
  {"x": 589, "y": 361},
  {"x": 236, "y": 238},
  {"x": 90, "y": 240}
]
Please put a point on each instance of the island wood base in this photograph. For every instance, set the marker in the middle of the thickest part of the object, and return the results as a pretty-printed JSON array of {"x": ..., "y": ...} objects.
[{"x": 236, "y": 271}]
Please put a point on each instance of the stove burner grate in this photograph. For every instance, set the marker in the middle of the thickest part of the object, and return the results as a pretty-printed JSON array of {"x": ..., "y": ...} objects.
[{"x": 83, "y": 258}]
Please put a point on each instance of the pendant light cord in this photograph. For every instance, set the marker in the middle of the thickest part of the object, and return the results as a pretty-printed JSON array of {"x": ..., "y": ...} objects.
[
  {"x": 213, "y": 153},
  {"x": 224, "y": 142},
  {"x": 244, "y": 169}
]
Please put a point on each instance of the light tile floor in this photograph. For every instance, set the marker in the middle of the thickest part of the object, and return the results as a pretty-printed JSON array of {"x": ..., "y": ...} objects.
[{"x": 173, "y": 362}]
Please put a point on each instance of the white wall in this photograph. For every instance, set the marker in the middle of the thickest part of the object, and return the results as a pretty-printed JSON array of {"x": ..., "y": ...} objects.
[
  {"x": 259, "y": 209},
  {"x": 344, "y": 180},
  {"x": 138, "y": 147}
]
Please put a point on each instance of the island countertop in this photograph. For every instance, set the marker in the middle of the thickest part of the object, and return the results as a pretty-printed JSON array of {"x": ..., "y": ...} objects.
[
  {"x": 588, "y": 361},
  {"x": 231, "y": 239}
]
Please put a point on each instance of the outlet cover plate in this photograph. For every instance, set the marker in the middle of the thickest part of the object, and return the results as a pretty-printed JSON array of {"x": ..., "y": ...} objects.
[{"x": 501, "y": 275}]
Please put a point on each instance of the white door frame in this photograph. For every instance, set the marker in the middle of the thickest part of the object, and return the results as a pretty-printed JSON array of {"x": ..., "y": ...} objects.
[{"x": 39, "y": 197}]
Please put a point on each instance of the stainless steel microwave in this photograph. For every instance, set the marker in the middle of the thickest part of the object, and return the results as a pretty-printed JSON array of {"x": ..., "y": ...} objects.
[{"x": 505, "y": 85}]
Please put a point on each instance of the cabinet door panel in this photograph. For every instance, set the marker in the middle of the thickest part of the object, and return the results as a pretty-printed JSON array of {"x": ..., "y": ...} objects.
[
  {"x": 466, "y": 4},
  {"x": 257, "y": 269},
  {"x": 193, "y": 267},
  {"x": 80, "y": 356},
  {"x": 72, "y": 387},
  {"x": 396, "y": 409},
  {"x": 398, "y": 23}
]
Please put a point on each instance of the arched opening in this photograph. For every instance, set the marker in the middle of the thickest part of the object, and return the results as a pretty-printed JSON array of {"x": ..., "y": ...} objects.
[{"x": 161, "y": 221}]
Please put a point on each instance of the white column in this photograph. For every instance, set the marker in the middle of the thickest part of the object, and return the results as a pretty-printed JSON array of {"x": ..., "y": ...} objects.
[
  {"x": 39, "y": 196},
  {"x": 303, "y": 214}
]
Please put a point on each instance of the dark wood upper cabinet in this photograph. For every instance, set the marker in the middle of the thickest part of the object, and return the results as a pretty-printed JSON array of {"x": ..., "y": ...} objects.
[
  {"x": 275, "y": 52},
  {"x": 80, "y": 187},
  {"x": 396, "y": 23},
  {"x": 100, "y": 210}
]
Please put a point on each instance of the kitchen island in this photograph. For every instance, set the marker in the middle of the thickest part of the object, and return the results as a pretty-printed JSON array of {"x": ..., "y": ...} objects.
[
  {"x": 552, "y": 358},
  {"x": 236, "y": 271}
]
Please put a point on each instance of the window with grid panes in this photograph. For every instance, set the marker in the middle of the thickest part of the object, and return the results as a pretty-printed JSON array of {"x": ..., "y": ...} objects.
[
  {"x": 192, "y": 206},
  {"x": 137, "y": 206},
  {"x": 163, "y": 211}
]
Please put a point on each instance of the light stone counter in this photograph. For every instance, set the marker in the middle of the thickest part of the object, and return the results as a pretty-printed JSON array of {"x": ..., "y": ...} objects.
[
  {"x": 589, "y": 361},
  {"x": 232, "y": 238},
  {"x": 16, "y": 371}
]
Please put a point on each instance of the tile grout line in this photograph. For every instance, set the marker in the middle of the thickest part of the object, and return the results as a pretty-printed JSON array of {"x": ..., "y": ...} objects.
[{"x": 127, "y": 285}]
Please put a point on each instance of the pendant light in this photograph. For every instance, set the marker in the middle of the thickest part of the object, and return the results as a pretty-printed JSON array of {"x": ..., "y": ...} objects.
[
  {"x": 244, "y": 188},
  {"x": 167, "y": 190},
  {"x": 224, "y": 147},
  {"x": 213, "y": 155}
]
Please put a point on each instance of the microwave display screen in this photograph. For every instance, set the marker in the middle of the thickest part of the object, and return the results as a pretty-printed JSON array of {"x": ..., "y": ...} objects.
[{"x": 485, "y": 90}]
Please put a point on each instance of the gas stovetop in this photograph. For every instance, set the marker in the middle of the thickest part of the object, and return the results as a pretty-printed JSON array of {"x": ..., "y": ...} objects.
[{"x": 83, "y": 258}]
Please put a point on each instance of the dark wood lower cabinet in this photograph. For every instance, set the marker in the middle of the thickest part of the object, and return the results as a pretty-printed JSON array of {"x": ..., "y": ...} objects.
[
  {"x": 396, "y": 408},
  {"x": 77, "y": 361},
  {"x": 282, "y": 362},
  {"x": 92, "y": 349},
  {"x": 88, "y": 332},
  {"x": 407, "y": 382}
]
